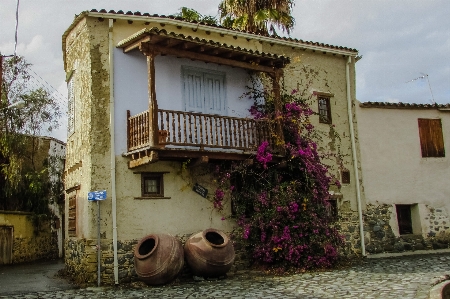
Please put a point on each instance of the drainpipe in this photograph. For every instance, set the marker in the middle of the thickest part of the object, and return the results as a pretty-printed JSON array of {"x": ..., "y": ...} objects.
[
  {"x": 355, "y": 158},
  {"x": 112, "y": 148}
]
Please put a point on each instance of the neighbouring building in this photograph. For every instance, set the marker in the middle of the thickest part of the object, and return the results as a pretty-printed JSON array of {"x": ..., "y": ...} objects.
[
  {"x": 21, "y": 240},
  {"x": 405, "y": 163},
  {"x": 154, "y": 99}
]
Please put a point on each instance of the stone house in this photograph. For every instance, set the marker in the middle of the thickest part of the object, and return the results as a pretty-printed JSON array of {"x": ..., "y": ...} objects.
[
  {"x": 405, "y": 166},
  {"x": 20, "y": 239},
  {"x": 154, "y": 99}
]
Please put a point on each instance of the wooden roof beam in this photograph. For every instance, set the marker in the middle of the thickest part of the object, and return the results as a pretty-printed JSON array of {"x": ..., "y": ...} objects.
[{"x": 212, "y": 59}]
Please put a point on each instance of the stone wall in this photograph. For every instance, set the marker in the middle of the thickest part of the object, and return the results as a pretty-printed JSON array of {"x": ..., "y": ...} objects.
[
  {"x": 380, "y": 236},
  {"x": 42, "y": 246},
  {"x": 29, "y": 243},
  {"x": 81, "y": 261},
  {"x": 348, "y": 226}
]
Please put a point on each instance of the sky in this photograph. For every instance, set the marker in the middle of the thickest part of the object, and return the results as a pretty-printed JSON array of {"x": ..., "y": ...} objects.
[{"x": 404, "y": 44}]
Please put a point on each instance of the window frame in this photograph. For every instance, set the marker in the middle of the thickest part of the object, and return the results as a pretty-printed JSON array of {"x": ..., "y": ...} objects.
[
  {"x": 209, "y": 104},
  {"x": 327, "y": 99},
  {"x": 159, "y": 177},
  {"x": 431, "y": 137},
  {"x": 345, "y": 176},
  {"x": 404, "y": 219}
]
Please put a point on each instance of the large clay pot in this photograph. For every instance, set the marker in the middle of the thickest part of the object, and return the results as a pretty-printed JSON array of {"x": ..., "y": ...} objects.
[
  {"x": 158, "y": 259},
  {"x": 209, "y": 253}
]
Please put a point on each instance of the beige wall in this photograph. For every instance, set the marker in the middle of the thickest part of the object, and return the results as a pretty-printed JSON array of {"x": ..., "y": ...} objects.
[
  {"x": 185, "y": 212},
  {"x": 29, "y": 243},
  {"x": 23, "y": 228},
  {"x": 314, "y": 71},
  {"x": 88, "y": 161},
  {"x": 393, "y": 168},
  {"x": 88, "y": 154}
]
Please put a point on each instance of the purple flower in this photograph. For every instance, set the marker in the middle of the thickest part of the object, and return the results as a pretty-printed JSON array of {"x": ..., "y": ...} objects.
[{"x": 263, "y": 155}]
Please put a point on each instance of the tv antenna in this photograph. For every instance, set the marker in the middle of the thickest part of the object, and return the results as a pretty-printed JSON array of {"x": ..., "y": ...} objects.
[{"x": 425, "y": 76}]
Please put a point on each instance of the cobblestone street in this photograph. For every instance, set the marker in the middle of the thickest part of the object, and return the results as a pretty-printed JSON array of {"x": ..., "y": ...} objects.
[{"x": 399, "y": 277}]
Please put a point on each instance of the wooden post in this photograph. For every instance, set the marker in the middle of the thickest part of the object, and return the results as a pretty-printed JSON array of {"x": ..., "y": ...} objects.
[
  {"x": 152, "y": 104},
  {"x": 278, "y": 109},
  {"x": 128, "y": 131}
]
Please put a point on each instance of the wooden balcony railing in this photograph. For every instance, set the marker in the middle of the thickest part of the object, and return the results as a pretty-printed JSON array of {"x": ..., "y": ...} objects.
[{"x": 185, "y": 129}]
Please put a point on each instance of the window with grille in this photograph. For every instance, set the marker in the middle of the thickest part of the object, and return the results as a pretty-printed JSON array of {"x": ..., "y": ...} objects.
[
  {"x": 345, "y": 176},
  {"x": 324, "y": 109},
  {"x": 152, "y": 185},
  {"x": 71, "y": 107},
  {"x": 431, "y": 139}
]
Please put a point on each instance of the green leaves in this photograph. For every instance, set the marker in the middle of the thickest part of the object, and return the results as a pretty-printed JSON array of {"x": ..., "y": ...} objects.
[
  {"x": 192, "y": 15},
  {"x": 257, "y": 16},
  {"x": 24, "y": 178}
]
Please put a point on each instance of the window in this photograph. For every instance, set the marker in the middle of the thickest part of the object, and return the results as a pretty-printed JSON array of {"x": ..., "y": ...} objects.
[
  {"x": 345, "y": 176},
  {"x": 404, "y": 219},
  {"x": 152, "y": 184},
  {"x": 71, "y": 107},
  {"x": 431, "y": 139},
  {"x": 204, "y": 91},
  {"x": 324, "y": 109}
]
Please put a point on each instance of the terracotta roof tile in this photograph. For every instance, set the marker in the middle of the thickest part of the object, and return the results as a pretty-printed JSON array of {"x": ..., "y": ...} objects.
[
  {"x": 278, "y": 59},
  {"x": 401, "y": 105},
  {"x": 138, "y": 13}
]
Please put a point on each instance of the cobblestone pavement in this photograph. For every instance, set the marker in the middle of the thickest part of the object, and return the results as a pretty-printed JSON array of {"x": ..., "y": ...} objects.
[{"x": 399, "y": 277}]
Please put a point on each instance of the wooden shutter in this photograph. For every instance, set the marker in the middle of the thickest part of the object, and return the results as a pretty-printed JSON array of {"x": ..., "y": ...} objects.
[
  {"x": 214, "y": 94},
  {"x": 431, "y": 139},
  {"x": 71, "y": 107},
  {"x": 204, "y": 91},
  {"x": 72, "y": 216},
  {"x": 193, "y": 91}
]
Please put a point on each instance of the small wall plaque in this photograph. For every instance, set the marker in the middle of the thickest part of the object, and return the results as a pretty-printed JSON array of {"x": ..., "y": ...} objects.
[{"x": 200, "y": 190}]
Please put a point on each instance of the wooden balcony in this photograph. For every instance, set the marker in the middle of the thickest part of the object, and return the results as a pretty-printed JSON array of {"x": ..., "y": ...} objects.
[{"x": 188, "y": 131}]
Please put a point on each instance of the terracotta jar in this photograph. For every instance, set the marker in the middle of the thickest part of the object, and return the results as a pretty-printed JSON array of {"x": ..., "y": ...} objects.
[
  {"x": 209, "y": 253},
  {"x": 158, "y": 258}
]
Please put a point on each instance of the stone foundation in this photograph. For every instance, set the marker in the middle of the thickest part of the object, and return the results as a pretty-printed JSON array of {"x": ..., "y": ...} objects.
[
  {"x": 348, "y": 226},
  {"x": 379, "y": 236},
  {"x": 81, "y": 261}
]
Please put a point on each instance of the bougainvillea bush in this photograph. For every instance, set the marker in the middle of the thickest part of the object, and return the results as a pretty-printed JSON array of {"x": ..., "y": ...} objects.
[{"x": 280, "y": 200}]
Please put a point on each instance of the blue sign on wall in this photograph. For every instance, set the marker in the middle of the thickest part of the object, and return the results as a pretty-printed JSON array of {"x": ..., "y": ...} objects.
[{"x": 97, "y": 195}]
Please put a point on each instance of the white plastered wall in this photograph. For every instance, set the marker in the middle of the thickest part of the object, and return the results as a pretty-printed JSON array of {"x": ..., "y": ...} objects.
[
  {"x": 393, "y": 168},
  {"x": 131, "y": 87}
]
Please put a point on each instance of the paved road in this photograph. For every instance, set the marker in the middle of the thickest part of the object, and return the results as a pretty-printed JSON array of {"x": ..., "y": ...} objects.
[
  {"x": 401, "y": 277},
  {"x": 32, "y": 277}
]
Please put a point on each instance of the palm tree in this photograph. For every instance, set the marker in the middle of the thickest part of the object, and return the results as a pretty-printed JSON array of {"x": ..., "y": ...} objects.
[
  {"x": 258, "y": 16},
  {"x": 191, "y": 15}
]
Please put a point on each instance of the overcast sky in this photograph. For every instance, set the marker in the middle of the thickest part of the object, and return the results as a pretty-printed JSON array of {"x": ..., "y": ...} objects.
[{"x": 399, "y": 40}]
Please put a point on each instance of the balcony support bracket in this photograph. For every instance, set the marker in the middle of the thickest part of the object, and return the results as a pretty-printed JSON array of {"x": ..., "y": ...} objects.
[{"x": 143, "y": 158}]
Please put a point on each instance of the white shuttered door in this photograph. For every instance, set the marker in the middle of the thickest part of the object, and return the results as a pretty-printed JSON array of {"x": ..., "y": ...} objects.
[{"x": 204, "y": 91}]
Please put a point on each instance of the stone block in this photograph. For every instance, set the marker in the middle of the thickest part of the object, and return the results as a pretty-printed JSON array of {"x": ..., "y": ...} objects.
[
  {"x": 419, "y": 246},
  {"x": 399, "y": 247},
  {"x": 376, "y": 228}
]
